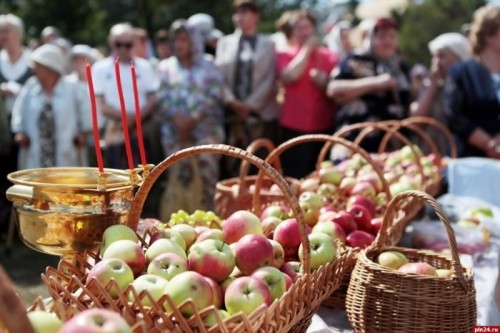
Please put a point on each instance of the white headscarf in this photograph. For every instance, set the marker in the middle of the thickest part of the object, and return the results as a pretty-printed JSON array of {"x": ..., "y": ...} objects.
[
  {"x": 333, "y": 39},
  {"x": 456, "y": 43}
]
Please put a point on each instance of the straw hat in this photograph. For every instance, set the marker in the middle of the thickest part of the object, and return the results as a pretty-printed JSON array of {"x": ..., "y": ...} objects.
[{"x": 49, "y": 56}]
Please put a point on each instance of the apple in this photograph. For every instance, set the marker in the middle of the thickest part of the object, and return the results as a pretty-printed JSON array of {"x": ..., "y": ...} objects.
[
  {"x": 322, "y": 249},
  {"x": 167, "y": 265},
  {"x": 210, "y": 234},
  {"x": 239, "y": 224},
  {"x": 309, "y": 185},
  {"x": 346, "y": 185},
  {"x": 346, "y": 221},
  {"x": 107, "y": 269},
  {"x": 407, "y": 153},
  {"x": 211, "y": 258},
  {"x": 169, "y": 234},
  {"x": 269, "y": 224},
  {"x": 327, "y": 209},
  {"x": 327, "y": 190},
  {"x": 217, "y": 292},
  {"x": 362, "y": 201},
  {"x": 253, "y": 252},
  {"x": 329, "y": 175},
  {"x": 278, "y": 253},
  {"x": 392, "y": 259},
  {"x": 153, "y": 284},
  {"x": 211, "y": 320},
  {"x": 96, "y": 321},
  {"x": 128, "y": 251},
  {"x": 359, "y": 238},
  {"x": 224, "y": 284},
  {"x": 164, "y": 245},
  {"x": 399, "y": 187},
  {"x": 189, "y": 285},
  {"x": 444, "y": 273},
  {"x": 420, "y": 268},
  {"x": 236, "y": 273},
  {"x": 364, "y": 188},
  {"x": 274, "y": 211},
  {"x": 332, "y": 229},
  {"x": 292, "y": 269},
  {"x": 326, "y": 164},
  {"x": 187, "y": 232},
  {"x": 117, "y": 232},
  {"x": 287, "y": 234},
  {"x": 376, "y": 224},
  {"x": 288, "y": 281},
  {"x": 361, "y": 216},
  {"x": 44, "y": 322},
  {"x": 311, "y": 213},
  {"x": 246, "y": 294},
  {"x": 326, "y": 216},
  {"x": 274, "y": 280},
  {"x": 314, "y": 200},
  {"x": 200, "y": 229}
]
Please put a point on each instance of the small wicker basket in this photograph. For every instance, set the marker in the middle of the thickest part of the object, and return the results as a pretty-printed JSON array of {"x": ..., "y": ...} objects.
[{"x": 380, "y": 299}]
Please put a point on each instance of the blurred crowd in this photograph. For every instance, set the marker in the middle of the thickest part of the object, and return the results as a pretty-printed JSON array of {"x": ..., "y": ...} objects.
[{"x": 199, "y": 86}]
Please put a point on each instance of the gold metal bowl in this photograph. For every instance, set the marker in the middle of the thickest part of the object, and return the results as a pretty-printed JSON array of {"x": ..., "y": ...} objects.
[{"x": 61, "y": 211}]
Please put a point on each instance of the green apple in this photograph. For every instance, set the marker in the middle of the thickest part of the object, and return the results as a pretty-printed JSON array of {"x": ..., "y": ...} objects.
[
  {"x": 215, "y": 234},
  {"x": 274, "y": 280},
  {"x": 164, "y": 245},
  {"x": 444, "y": 273},
  {"x": 326, "y": 164},
  {"x": 211, "y": 320},
  {"x": 245, "y": 294},
  {"x": 128, "y": 251},
  {"x": 224, "y": 284},
  {"x": 167, "y": 265},
  {"x": 112, "y": 269},
  {"x": 211, "y": 258},
  {"x": 169, "y": 234},
  {"x": 327, "y": 190},
  {"x": 392, "y": 259},
  {"x": 117, "y": 232},
  {"x": 96, "y": 321},
  {"x": 309, "y": 184},
  {"x": 44, "y": 322},
  {"x": 187, "y": 232},
  {"x": 189, "y": 285},
  {"x": 331, "y": 229},
  {"x": 313, "y": 199},
  {"x": 329, "y": 176},
  {"x": 399, "y": 187},
  {"x": 153, "y": 284},
  {"x": 311, "y": 213},
  {"x": 322, "y": 249}
]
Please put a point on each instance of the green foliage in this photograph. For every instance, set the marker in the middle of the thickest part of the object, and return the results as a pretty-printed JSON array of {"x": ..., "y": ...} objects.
[{"x": 422, "y": 23}]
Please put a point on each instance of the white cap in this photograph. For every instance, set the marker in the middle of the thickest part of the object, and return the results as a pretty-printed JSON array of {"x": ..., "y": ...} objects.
[
  {"x": 49, "y": 56},
  {"x": 456, "y": 43},
  {"x": 83, "y": 50}
]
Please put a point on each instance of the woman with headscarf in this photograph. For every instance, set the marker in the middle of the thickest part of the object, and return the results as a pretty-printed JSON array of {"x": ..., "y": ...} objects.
[
  {"x": 338, "y": 39},
  {"x": 447, "y": 50},
  {"x": 472, "y": 90},
  {"x": 191, "y": 102},
  {"x": 373, "y": 85}
]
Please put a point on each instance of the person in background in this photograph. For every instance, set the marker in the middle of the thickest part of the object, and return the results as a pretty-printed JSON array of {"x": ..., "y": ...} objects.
[
  {"x": 49, "y": 114},
  {"x": 191, "y": 96},
  {"x": 338, "y": 39},
  {"x": 447, "y": 50},
  {"x": 472, "y": 90},
  {"x": 280, "y": 38},
  {"x": 49, "y": 34},
  {"x": 162, "y": 45},
  {"x": 14, "y": 72},
  {"x": 303, "y": 71},
  {"x": 246, "y": 60},
  {"x": 373, "y": 85},
  {"x": 143, "y": 47},
  {"x": 205, "y": 24},
  {"x": 121, "y": 41},
  {"x": 418, "y": 76}
]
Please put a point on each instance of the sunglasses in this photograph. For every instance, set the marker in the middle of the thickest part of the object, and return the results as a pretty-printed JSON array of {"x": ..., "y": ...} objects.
[{"x": 120, "y": 45}]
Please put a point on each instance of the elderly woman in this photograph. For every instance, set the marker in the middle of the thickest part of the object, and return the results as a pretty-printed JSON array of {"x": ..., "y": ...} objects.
[
  {"x": 447, "y": 50},
  {"x": 472, "y": 93},
  {"x": 190, "y": 99},
  {"x": 48, "y": 116},
  {"x": 372, "y": 85},
  {"x": 338, "y": 40}
]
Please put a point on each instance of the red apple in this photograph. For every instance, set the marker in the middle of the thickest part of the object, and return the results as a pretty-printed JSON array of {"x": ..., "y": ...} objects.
[
  {"x": 292, "y": 269},
  {"x": 169, "y": 234},
  {"x": 327, "y": 208},
  {"x": 346, "y": 221},
  {"x": 210, "y": 234},
  {"x": 364, "y": 188},
  {"x": 288, "y": 281},
  {"x": 346, "y": 185},
  {"x": 361, "y": 216},
  {"x": 331, "y": 229},
  {"x": 359, "y": 238},
  {"x": 376, "y": 224},
  {"x": 253, "y": 252},
  {"x": 420, "y": 268},
  {"x": 372, "y": 178},
  {"x": 128, "y": 251},
  {"x": 96, "y": 321},
  {"x": 362, "y": 201},
  {"x": 246, "y": 294},
  {"x": 217, "y": 292},
  {"x": 287, "y": 234},
  {"x": 279, "y": 254},
  {"x": 212, "y": 258},
  {"x": 239, "y": 224}
]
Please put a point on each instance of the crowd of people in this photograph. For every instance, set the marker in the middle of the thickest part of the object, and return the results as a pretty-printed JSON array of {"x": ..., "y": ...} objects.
[{"x": 199, "y": 86}]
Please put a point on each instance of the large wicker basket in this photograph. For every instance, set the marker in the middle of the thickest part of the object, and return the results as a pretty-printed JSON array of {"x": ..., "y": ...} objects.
[
  {"x": 234, "y": 194},
  {"x": 380, "y": 299},
  {"x": 292, "y": 312}
]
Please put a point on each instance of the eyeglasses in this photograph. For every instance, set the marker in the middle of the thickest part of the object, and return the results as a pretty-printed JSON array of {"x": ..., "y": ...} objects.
[{"x": 120, "y": 45}]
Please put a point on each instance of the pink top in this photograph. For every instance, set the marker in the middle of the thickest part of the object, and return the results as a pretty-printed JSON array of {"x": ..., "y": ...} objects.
[{"x": 306, "y": 108}]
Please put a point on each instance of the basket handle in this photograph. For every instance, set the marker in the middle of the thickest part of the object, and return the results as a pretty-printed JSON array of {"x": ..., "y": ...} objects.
[
  {"x": 421, "y": 120},
  {"x": 245, "y": 165},
  {"x": 383, "y": 236},
  {"x": 319, "y": 138},
  {"x": 140, "y": 197},
  {"x": 12, "y": 310},
  {"x": 396, "y": 125}
]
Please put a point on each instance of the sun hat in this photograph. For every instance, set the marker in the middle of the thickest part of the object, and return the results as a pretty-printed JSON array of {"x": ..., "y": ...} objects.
[
  {"x": 84, "y": 51},
  {"x": 49, "y": 56}
]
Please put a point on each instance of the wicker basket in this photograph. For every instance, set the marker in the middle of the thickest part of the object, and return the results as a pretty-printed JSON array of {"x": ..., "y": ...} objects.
[
  {"x": 234, "y": 194},
  {"x": 292, "y": 311},
  {"x": 380, "y": 299}
]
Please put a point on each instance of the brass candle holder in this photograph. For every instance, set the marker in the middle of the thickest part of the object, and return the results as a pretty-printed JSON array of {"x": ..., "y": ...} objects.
[{"x": 63, "y": 211}]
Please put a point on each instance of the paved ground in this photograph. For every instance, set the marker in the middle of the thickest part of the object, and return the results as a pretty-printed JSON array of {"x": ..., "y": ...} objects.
[{"x": 25, "y": 266}]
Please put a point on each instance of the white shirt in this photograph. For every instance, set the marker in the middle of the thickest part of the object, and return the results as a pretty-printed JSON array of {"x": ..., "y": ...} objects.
[
  {"x": 104, "y": 79},
  {"x": 71, "y": 117},
  {"x": 12, "y": 72}
]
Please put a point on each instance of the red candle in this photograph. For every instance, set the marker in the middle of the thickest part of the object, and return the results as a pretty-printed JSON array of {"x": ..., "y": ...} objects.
[
  {"x": 124, "y": 116},
  {"x": 95, "y": 126},
  {"x": 138, "y": 115}
]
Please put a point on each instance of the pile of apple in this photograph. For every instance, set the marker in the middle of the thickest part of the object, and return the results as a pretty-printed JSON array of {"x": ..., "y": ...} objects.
[
  {"x": 236, "y": 269},
  {"x": 399, "y": 262}
]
